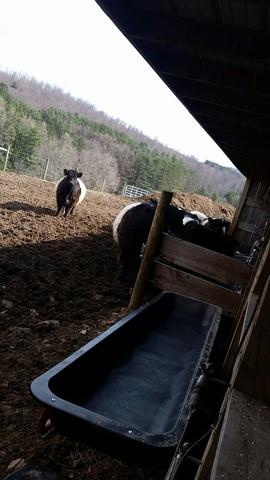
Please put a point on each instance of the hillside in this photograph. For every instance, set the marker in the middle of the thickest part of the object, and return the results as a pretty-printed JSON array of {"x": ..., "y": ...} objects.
[{"x": 39, "y": 122}]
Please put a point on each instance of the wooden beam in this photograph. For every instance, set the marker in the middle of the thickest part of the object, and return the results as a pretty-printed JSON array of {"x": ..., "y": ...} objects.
[
  {"x": 247, "y": 227},
  {"x": 171, "y": 279},
  {"x": 253, "y": 377},
  {"x": 247, "y": 148},
  {"x": 225, "y": 113},
  {"x": 262, "y": 265},
  {"x": 200, "y": 260},
  {"x": 216, "y": 83},
  {"x": 256, "y": 284},
  {"x": 191, "y": 48},
  {"x": 150, "y": 251},
  {"x": 240, "y": 206},
  {"x": 207, "y": 113},
  {"x": 256, "y": 203},
  {"x": 204, "y": 470},
  {"x": 211, "y": 40},
  {"x": 201, "y": 103},
  {"x": 212, "y": 72},
  {"x": 188, "y": 89},
  {"x": 246, "y": 310},
  {"x": 262, "y": 311},
  {"x": 244, "y": 132}
]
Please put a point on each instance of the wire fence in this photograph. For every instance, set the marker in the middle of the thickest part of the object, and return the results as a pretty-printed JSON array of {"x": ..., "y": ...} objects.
[{"x": 52, "y": 170}]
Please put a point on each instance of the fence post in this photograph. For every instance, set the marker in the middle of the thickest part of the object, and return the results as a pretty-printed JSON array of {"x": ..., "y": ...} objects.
[
  {"x": 124, "y": 188},
  {"x": 103, "y": 184},
  {"x": 6, "y": 159},
  {"x": 150, "y": 251},
  {"x": 46, "y": 169}
]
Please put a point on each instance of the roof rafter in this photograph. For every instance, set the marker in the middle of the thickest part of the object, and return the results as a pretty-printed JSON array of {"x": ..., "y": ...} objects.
[
  {"x": 219, "y": 113},
  {"x": 246, "y": 136},
  {"x": 208, "y": 40},
  {"x": 189, "y": 90}
]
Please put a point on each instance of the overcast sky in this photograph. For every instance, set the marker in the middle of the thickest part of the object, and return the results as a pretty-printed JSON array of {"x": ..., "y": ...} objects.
[{"x": 72, "y": 44}]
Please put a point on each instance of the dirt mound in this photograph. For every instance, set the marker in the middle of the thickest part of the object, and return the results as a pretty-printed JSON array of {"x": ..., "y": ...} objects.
[
  {"x": 193, "y": 201},
  {"x": 58, "y": 290}
]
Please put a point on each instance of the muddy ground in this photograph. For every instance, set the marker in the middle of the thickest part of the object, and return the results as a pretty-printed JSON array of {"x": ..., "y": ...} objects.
[{"x": 65, "y": 271}]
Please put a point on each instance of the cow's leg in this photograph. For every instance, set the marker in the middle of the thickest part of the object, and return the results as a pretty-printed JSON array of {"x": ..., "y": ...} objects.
[
  {"x": 67, "y": 209},
  {"x": 73, "y": 205},
  {"x": 58, "y": 210},
  {"x": 129, "y": 262}
]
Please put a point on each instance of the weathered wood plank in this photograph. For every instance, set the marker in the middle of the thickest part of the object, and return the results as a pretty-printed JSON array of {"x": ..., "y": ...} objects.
[
  {"x": 168, "y": 278},
  {"x": 203, "y": 261},
  {"x": 256, "y": 203},
  {"x": 241, "y": 203},
  {"x": 253, "y": 377},
  {"x": 247, "y": 227},
  {"x": 204, "y": 470},
  {"x": 243, "y": 448},
  {"x": 255, "y": 288},
  {"x": 242, "y": 321}
]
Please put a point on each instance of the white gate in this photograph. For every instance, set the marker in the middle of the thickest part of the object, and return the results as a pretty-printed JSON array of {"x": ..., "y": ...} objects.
[{"x": 132, "y": 191}]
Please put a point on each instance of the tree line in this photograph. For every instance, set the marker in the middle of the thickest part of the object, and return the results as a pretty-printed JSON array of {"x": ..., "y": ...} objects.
[{"x": 103, "y": 148}]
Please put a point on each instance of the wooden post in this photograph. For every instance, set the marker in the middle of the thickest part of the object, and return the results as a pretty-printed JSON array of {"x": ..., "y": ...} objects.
[
  {"x": 253, "y": 375},
  {"x": 204, "y": 470},
  {"x": 247, "y": 309},
  {"x": 124, "y": 188},
  {"x": 46, "y": 169},
  {"x": 150, "y": 251},
  {"x": 240, "y": 206},
  {"x": 6, "y": 159}
]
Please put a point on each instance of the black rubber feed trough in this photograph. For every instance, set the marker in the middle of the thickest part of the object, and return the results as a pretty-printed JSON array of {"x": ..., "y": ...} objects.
[{"x": 127, "y": 391}]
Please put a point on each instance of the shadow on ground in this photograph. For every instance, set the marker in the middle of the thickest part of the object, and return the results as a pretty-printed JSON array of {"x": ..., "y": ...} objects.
[{"x": 17, "y": 206}]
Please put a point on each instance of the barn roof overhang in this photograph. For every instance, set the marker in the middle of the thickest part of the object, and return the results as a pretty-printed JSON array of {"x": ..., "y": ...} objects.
[{"x": 215, "y": 56}]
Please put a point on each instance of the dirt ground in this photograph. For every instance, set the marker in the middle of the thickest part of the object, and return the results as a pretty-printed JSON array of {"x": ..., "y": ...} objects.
[{"x": 64, "y": 271}]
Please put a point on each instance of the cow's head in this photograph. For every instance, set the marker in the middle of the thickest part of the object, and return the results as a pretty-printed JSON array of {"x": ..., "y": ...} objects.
[
  {"x": 219, "y": 225},
  {"x": 72, "y": 175}
]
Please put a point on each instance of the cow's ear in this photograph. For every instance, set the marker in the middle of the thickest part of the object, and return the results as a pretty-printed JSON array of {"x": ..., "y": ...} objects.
[
  {"x": 79, "y": 174},
  {"x": 65, "y": 171}
]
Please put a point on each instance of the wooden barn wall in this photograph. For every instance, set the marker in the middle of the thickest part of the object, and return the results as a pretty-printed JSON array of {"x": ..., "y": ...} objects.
[{"x": 253, "y": 215}]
